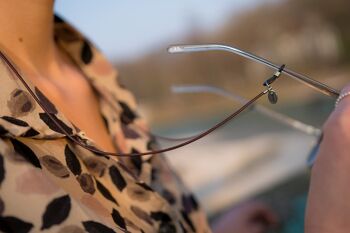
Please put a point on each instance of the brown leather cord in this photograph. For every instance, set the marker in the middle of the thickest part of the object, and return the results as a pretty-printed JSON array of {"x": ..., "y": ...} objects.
[
  {"x": 100, "y": 152},
  {"x": 153, "y": 135}
]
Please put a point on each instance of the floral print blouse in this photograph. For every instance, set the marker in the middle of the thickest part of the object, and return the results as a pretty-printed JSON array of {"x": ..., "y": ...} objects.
[{"x": 50, "y": 184}]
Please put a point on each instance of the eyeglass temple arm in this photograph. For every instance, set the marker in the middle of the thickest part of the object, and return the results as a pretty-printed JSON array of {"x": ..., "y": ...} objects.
[
  {"x": 308, "y": 129},
  {"x": 218, "y": 47}
]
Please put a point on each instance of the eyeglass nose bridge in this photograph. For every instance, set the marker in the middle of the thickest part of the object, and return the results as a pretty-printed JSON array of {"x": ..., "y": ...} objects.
[{"x": 321, "y": 87}]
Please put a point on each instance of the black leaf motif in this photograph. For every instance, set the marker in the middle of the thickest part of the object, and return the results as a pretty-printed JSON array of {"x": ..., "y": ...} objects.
[
  {"x": 95, "y": 227},
  {"x": 72, "y": 161},
  {"x": 30, "y": 133},
  {"x": 160, "y": 216},
  {"x": 169, "y": 196},
  {"x": 25, "y": 152},
  {"x": 105, "y": 192},
  {"x": 117, "y": 178},
  {"x": 3, "y": 131},
  {"x": 145, "y": 186},
  {"x": 86, "y": 53},
  {"x": 45, "y": 101},
  {"x": 194, "y": 202},
  {"x": 136, "y": 161},
  {"x": 118, "y": 219},
  {"x": 12, "y": 224},
  {"x": 188, "y": 220},
  {"x": 56, "y": 211},
  {"x": 127, "y": 115},
  {"x": 189, "y": 203},
  {"x": 2, "y": 169},
  {"x": 52, "y": 125},
  {"x": 15, "y": 121}
]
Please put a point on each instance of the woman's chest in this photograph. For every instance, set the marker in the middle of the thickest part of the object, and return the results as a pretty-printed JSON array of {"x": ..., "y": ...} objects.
[{"x": 76, "y": 99}]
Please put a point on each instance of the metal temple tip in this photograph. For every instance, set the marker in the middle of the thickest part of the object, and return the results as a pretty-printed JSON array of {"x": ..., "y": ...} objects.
[{"x": 175, "y": 49}]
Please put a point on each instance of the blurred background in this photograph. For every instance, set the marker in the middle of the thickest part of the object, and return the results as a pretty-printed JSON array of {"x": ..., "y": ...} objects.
[{"x": 254, "y": 156}]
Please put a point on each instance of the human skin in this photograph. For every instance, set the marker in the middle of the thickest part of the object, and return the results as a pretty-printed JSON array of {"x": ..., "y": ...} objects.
[
  {"x": 26, "y": 31},
  {"x": 328, "y": 208}
]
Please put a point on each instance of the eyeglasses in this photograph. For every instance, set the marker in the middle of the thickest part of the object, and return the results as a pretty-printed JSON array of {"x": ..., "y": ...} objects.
[
  {"x": 318, "y": 86},
  {"x": 272, "y": 96},
  {"x": 321, "y": 87}
]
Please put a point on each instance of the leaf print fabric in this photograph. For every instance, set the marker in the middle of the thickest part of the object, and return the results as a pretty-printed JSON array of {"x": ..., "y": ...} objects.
[
  {"x": 12, "y": 224},
  {"x": 50, "y": 184},
  {"x": 95, "y": 227},
  {"x": 25, "y": 152},
  {"x": 72, "y": 161},
  {"x": 20, "y": 103},
  {"x": 56, "y": 212},
  {"x": 54, "y": 166}
]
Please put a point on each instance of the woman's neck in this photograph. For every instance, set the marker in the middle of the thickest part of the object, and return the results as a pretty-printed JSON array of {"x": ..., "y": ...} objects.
[{"x": 26, "y": 32}]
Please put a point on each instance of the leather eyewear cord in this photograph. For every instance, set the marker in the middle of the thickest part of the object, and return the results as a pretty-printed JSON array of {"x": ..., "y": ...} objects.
[{"x": 151, "y": 152}]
